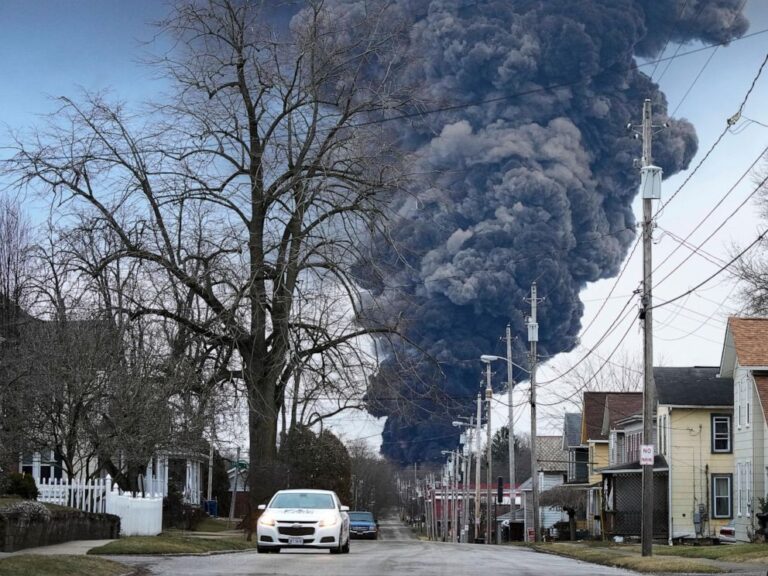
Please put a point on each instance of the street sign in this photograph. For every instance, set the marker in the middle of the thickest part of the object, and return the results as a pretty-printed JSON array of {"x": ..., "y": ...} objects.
[
  {"x": 531, "y": 534},
  {"x": 646, "y": 455}
]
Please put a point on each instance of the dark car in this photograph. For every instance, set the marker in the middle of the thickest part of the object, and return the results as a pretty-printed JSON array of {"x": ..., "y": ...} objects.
[{"x": 363, "y": 525}]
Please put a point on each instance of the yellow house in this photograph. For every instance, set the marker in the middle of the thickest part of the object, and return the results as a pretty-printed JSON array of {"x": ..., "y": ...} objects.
[{"x": 694, "y": 435}]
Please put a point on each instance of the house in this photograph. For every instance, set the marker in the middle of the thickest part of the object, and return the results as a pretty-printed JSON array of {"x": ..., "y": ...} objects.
[
  {"x": 578, "y": 454},
  {"x": 601, "y": 410},
  {"x": 744, "y": 360},
  {"x": 552, "y": 464},
  {"x": 693, "y": 420},
  {"x": 622, "y": 479}
]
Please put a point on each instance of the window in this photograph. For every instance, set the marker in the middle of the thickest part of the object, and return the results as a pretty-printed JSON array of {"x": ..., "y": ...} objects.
[
  {"x": 738, "y": 488},
  {"x": 721, "y": 433},
  {"x": 748, "y": 481},
  {"x": 721, "y": 496},
  {"x": 748, "y": 400},
  {"x": 737, "y": 403}
]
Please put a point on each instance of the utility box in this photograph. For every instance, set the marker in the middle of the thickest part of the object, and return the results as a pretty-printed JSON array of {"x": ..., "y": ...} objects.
[{"x": 650, "y": 182}]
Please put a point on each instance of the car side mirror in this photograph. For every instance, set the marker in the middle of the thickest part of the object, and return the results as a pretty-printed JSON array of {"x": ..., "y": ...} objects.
[
  {"x": 262, "y": 506},
  {"x": 344, "y": 508}
]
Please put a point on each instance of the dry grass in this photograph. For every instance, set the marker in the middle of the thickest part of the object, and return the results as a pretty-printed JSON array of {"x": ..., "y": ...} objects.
[
  {"x": 171, "y": 544},
  {"x": 60, "y": 565},
  {"x": 627, "y": 557},
  {"x": 724, "y": 552}
]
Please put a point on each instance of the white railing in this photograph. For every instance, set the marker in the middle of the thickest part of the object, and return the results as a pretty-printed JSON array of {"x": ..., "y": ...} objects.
[{"x": 139, "y": 515}]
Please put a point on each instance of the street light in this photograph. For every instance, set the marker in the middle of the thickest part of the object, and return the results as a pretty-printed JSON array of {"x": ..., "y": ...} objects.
[
  {"x": 487, "y": 359},
  {"x": 465, "y": 476}
]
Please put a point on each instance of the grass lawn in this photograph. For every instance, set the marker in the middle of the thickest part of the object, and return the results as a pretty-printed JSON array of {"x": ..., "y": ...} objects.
[
  {"x": 214, "y": 525},
  {"x": 724, "y": 552},
  {"x": 29, "y": 564},
  {"x": 626, "y": 557},
  {"x": 171, "y": 544}
]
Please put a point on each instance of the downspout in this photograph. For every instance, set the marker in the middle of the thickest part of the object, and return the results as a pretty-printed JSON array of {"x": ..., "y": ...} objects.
[{"x": 670, "y": 504}]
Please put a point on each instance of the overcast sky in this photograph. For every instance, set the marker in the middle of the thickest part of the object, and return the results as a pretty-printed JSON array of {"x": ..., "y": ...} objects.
[{"x": 53, "y": 48}]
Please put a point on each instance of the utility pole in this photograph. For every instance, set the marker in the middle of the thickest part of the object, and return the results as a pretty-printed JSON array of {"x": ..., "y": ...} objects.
[
  {"x": 651, "y": 188},
  {"x": 511, "y": 422},
  {"x": 477, "y": 467},
  {"x": 210, "y": 459},
  {"x": 533, "y": 338},
  {"x": 488, "y": 455},
  {"x": 467, "y": 476},
  {"x": 234, "y": 492}
]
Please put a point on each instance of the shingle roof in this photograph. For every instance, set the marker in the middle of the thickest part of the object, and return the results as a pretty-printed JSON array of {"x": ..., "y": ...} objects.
[
  {"x": 692, "y": 386},
  {"x": 659, "y": 463},
  {"x": 550, "y": 454},
  {"x": 571, "y": 429},
  {"x": 592, "y": 422},
  {"x": 619, "y": 405},
  {"x": 761, "y": 383},
  {"x": 750, "y": 338}
]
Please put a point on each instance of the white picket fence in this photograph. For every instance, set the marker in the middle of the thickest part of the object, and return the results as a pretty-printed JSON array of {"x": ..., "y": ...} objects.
[
  {"x": 139, "y": 515},
  {"x": 88, "y": 496}
]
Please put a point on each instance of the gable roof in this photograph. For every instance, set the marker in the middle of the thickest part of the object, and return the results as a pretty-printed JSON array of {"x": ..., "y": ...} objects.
[
  {"x": 619, "y": 406},
  {"x": 761, "y": 384},
  {"x": 692, "y": 386},
  {"x": 592, "y": 416},
  {"x": 571, "y": 430},
  {"x": 746, "y": 339},
  {"x": 550, "y": 454}
]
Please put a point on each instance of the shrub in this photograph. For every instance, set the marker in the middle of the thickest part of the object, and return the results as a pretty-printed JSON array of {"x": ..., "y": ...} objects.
[
  {"x": 20, "y": 485},
  {"x": 177, "y": 514}
]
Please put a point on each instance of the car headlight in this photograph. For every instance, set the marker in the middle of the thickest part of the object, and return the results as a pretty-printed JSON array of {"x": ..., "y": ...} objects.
[
  {"x": 330, "y": 520},
  {"x": 266, "y": 520}
]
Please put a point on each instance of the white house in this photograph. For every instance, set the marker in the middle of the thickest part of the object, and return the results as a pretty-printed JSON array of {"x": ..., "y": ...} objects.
[{"x": 745, "y": 359}]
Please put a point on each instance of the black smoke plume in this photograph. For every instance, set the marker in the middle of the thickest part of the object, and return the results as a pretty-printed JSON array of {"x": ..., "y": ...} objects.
[{"x": 533, "y": 180}]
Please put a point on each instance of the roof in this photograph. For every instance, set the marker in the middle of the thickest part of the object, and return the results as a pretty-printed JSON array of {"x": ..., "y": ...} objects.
[
  {"x": 659, "y": 463},
  {"x": 592, "y": 416},
  {"x": 618, "y": 406},
  {"x": 550, "y": 454},
  {"x": 693, "y": 386},
  {"x": 571, "y": 430},
  {"x": 761, "y": 384},
  {"x": 750, "y": 340}
]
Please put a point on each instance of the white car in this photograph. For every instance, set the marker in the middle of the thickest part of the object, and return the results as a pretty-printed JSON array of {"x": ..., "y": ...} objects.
[{"x": 303, "y": 519}]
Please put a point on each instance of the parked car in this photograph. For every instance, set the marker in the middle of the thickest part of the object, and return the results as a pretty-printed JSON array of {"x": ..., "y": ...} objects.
[
  {"x": 303, "y": 519},
  {"x": 363, "y": 525},
  {"x": 728, "y": 532}
]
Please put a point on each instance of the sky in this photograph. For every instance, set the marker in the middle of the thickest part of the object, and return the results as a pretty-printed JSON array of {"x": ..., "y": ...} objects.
[{"x": 56, "y": 48}]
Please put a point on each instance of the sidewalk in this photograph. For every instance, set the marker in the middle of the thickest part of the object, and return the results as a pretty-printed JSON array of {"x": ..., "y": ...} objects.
[{"x": 74, "y": 547}]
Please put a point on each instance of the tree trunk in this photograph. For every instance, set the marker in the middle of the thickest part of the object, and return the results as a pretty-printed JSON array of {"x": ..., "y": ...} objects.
[
  {"x": 572, "y": 524},
  {"x": 262, "y": 417}
]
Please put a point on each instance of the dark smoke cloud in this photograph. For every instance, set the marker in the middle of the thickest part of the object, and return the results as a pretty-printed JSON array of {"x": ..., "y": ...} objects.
[{"x": 536, "y": 187}]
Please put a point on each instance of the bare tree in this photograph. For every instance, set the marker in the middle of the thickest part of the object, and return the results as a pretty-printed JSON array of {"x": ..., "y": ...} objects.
[
  {"x": 621, "y": 373},
  {"x": 257, "y": 177},
  {"x": 751, "y": 270},
  {"x": 14, "y": 284}
]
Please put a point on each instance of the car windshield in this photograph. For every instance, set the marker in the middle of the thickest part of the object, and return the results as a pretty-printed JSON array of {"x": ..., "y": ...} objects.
[
  {"x": 361, "y": 516},
  {"x": 303, "y": 500}
]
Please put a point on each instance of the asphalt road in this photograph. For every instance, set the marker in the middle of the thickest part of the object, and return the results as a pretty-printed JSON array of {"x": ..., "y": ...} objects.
[{"x": 395, "y": 553}]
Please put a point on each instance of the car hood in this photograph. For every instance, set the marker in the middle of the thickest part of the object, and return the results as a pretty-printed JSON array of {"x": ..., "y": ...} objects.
[{"x": 299, "y": 514}]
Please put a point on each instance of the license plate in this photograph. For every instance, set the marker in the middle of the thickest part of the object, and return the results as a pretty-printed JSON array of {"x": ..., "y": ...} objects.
[{"x": 294, "y": 541}]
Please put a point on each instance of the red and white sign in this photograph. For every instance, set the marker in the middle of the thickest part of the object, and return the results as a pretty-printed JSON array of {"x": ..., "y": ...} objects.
[{"x": 646, "y": 455}]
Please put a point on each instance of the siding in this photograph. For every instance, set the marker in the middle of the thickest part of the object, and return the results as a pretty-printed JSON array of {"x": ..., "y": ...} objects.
[
  {"x": 598, "y": 452},
  {"x": 744, "y": 437},
  {"x": 692, "y": 463}
]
